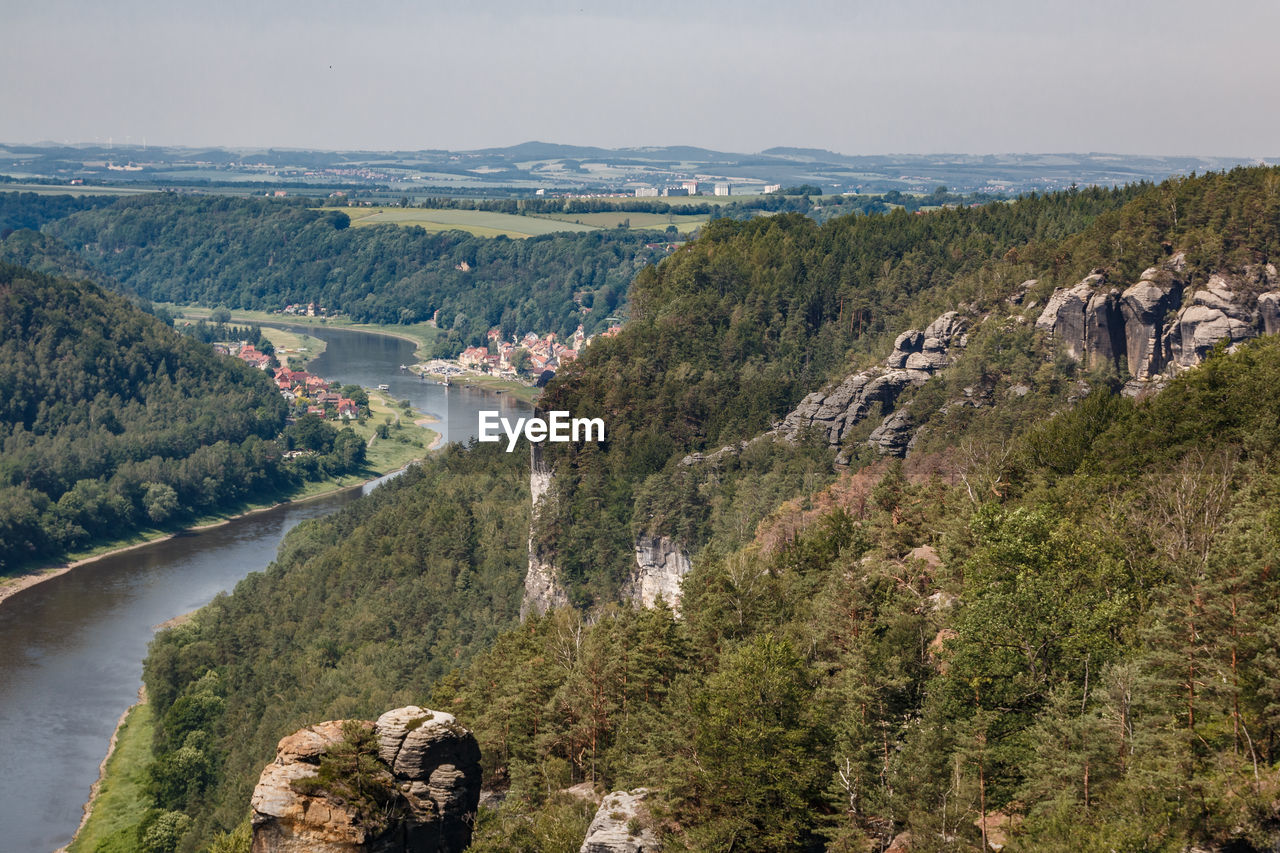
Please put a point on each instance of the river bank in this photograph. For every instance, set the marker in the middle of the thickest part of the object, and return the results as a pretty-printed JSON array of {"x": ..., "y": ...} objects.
[
  {"x": 11, "y": 586},
  {"x": 128, "y": 755}
]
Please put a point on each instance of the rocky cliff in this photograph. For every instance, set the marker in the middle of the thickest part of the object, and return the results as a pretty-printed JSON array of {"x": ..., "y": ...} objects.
[
  {"x": 661, "y": 565},
  {"x": 427, "y": 761},
  {"x": 1162, "y": 323},
  {"x": 542, "y": 587},
  {"x": 872, "y": 394}
]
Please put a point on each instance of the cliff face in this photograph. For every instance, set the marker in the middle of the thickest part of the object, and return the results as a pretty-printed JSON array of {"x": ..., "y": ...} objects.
[
  {"x": 542, "y": 587},
  {"x": 1162, "y": 323},
  {"x": 429, "y": 761},
  {"x": 873, "y": 393},
  {"x": 661, "y": 565}
]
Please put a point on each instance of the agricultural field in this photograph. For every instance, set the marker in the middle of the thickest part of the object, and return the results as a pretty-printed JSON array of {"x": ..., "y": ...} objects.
[
  {"x": 685, "y": 224},
  {"x": 480, "y": 223}
]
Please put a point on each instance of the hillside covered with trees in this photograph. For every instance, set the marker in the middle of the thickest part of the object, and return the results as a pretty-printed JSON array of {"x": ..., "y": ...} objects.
[
  {"x": 265, "y": 254},
  {"x": 1051, "y": 627},
  {"x": 111, "y": 421}
]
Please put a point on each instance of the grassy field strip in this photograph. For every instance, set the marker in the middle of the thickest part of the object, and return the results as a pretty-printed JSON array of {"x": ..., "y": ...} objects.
[
  {"x": 81, "y": 189},
  {"x": 297, "y": 344},
  {"x": 121, "y": 801},
  {"x": 420, "y": 333},
  {"x": 481, "y": 223},
  {"x": 684, "y": 223}
]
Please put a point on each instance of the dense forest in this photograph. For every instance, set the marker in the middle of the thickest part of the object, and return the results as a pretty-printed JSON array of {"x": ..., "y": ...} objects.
[
  {"x": 1052, "y": 627},
  {"x": 266, "y": 253},
  {"x": 111, "y": 421}
]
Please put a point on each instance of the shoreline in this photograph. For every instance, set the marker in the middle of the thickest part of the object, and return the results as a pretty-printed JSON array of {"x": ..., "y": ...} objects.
[
  {"x": 11, "y": 586},
  {"x": 96, "y": 787}
]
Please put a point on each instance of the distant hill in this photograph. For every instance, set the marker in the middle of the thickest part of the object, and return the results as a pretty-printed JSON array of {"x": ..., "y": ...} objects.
[{"x": 110, "y": 420}]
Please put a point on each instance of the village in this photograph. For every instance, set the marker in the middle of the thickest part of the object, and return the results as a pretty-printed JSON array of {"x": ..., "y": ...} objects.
[
  {"x": 530, "y": 360},
  {"x": 305, "y": 392},
  {"x": 528, "y": 357}
]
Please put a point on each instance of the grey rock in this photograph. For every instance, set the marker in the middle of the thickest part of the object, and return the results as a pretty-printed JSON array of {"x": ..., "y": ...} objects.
[
  {"x": 909, "y": 341},
  {"x": 1269, "y": 312},
  {"x": 893, "y": 436},
  {"x": 542, "y": 587},
  {"x": 621, "y": 825},
  {"x": 1198, "y": 330},
  {"x": 871, "y": 393},
  {"x": 659, "y": 570},
  {"x": 1064, "y": 317},
  {"x": 929, "y": 360},
  {"x": 1104, "y": 339},
  {"x": 435, "y": 765},
  {"x": 1143, "y": 308}
]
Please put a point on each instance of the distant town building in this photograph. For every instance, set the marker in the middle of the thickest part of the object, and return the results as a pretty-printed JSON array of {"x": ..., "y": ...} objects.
[
  {"x": 691, "y": 186},
  {"x": 646, "y": 192},
  {"x": 723, "y": 189},
  {"x": 772, "y": 188},
  {"x": 668, "y": 191}
]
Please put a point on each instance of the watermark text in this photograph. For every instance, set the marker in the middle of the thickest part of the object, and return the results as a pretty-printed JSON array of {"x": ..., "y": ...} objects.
[{"x": 557, "y": 426}]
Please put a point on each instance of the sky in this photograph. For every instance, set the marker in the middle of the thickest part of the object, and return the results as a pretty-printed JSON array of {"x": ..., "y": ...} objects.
[{"x": 893, "y": 76}]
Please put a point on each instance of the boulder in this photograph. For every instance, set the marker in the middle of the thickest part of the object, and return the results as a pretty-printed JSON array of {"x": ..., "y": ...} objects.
[
  {"x": 431, "y": 760},
  {"x": 621, "y": 825}
]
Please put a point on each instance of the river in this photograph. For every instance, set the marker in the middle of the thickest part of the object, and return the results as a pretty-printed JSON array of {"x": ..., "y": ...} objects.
[{"x": 71, "y": 648}]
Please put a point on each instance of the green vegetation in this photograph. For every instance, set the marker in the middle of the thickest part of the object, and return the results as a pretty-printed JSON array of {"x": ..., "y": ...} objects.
[
  {"x": 265, "y": 254},
  {"x": 1052, "y": 627},
  {"x": 409, "y": 583},
  {"x": 121, "y": 805},
  {"x": 117, "y": 428},
  {"x": 478, "y": 223}
]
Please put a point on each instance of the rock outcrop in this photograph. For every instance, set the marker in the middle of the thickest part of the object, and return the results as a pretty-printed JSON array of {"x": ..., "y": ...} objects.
[
  {"x": 433, "y": 762},
  {"x": 872, "y": 393},
  {"x": 621, "y": 825},
  {"x": 1162, "y": 323},
  {"x": 660, "y": 569},
  {"x": 542, "y": 587}
]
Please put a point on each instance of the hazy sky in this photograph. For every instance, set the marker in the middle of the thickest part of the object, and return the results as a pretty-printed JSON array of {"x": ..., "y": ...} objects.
[{"x": 919, "y": 76}]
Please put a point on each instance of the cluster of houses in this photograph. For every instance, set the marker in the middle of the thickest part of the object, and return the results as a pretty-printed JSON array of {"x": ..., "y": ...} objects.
[
  {"x": 249, "y": 354},
  {"x": 299, "y": 388},
  {"x": 308, "y": 310},
  {"x": 304, "y": 389},
  {"x": 500, "y": 358}
]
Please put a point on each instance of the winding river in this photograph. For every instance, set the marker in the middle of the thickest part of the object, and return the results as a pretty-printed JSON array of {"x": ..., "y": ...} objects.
[{"x": 71, "y": 648}]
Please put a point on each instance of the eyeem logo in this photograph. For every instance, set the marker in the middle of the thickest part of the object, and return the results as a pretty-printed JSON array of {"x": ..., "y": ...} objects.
[{"x": 558, "y": 426}]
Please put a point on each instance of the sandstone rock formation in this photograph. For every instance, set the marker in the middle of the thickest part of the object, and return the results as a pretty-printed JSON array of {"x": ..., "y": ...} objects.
[
  {"x": 1162, "y": 323},
  {"x": 621, "y": 825},
  {"x": 542, "y": 587},
  {"x": 660, "y": 569},
  {"x": 433, "y": 762},
  {"x": 872, "y": 393}
]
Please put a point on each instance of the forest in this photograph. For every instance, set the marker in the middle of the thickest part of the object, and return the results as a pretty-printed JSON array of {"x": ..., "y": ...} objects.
[
  {"x": 264, "y": 254},
  {"x": 111, "y": 422},
  {"x": 1051, "y": 627}
]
